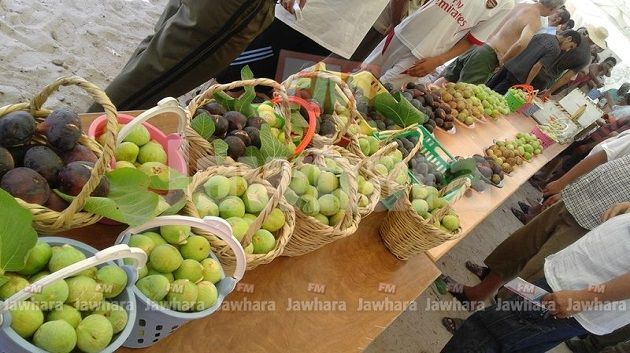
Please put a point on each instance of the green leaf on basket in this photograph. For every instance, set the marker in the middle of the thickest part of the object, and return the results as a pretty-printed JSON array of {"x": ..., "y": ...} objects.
[
  {"x": 175, "y": 181},
  {"x": 17, "y": 236},
  {"x": 129, "y": 200},
  {"x": 203, "y": 125},
  {"x": 252, "y": 157},
  {"x": 176, "y": 199},
  {"x": 270, "y": 147},
  {"x": 298, "y": 121},
  {"x": 324, "y": 93},
  {"x": 224, "y": 99},
  {"x": 243, "y": 103},
  {"x": 398, "y": 109},
  {"x": 220, "y": 150}
]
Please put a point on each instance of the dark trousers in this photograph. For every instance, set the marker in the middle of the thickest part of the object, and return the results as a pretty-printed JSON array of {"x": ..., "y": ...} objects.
[
  {"x": 194, "y": 40},
  {"x": 502, "y": 80},
  {"x": 263, "y": 53},
  {"x": 521, "y": 329},
  {"x": 523, "y": 253}
]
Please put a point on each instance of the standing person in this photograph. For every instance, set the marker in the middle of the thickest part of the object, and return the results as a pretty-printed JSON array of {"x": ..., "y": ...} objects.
[
  {"x": 570, "y": 63},
  {"x": 539, "y": 56},
  {"x": 588, "y": 286},
  {"x": 511, "y": 37},
  {"x": 391, "y": 16},
  {"x": 593, "y": 77},
  {"x": 567, "y": 26},
  {"x": 193, "y": 41},
  {"x": 437, "y": 32},
  {"x": 551, "y": 24},
  {"x": 317, "y": 33},
  {"x": 575, "y": 205}
]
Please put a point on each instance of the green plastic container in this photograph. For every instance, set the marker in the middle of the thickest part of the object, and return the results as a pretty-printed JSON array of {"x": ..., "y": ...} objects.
[{"x": 513, "y": 102}]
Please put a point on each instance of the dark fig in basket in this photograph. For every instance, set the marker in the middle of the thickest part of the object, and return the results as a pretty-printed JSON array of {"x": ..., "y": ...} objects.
[
  {"x": 62, "y": 128},
  {"x": 327, "y": 128},
  {"x": 56, "y": 203},
  {"x": 254, "y": 135},
  {"x": 215, "y": 108},
  {"x": 6, "y": 161},
  {"x": 236, "y": 147},
  {"x": 77, "y": 154},
  {"x": 44, "y": 161},
  {"x": 75, "y": 175},
  {"x": 242, "y": 134},
  {"x": 16, "y": 128},
  {"x": 18, "y": 153},
  {"x": 236, "y": 120},
  {"x": 221, "y": 125},
  {"x": 26, "y": 184},
  {"x": 256, "y": 122}
]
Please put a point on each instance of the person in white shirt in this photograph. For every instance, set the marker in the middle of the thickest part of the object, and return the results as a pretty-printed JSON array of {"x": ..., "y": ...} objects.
[
  {"x": 437, "y": 32},
  {"x": 589, "y": 292},
  {"x": 325, "y": 27}
]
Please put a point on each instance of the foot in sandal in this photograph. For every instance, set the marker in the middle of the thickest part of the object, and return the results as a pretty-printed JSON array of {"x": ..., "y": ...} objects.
[
  {"x": 480, "y": 271},
  {"x": 452, "y": 324}
]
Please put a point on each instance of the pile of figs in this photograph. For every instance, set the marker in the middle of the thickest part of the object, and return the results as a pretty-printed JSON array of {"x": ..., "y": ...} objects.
[{"x": 30, "y": 169}]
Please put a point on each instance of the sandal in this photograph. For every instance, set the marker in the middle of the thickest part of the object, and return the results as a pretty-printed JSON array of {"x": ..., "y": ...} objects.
[
  {"x": 480, "y": 271},
  {"x": 524, "y": 207},
  {"x": 519, "y": 215},
  {"x": 452, "y": 324}
]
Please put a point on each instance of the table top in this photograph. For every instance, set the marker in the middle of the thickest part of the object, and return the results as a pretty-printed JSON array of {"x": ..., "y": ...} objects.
[
  {"x": 474, "y": 207},
  {"x": 340, "y": 297},
  {"x": 354, "y": 282}
]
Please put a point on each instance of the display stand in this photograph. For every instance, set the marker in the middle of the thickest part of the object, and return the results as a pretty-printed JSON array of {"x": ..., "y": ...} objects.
[{"x": 358, "y": 271}]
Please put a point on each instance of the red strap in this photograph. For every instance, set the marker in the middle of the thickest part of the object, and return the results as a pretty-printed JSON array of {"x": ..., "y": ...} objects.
[
  {"x": 388, "y": 41},
  {"x": 472, "y": 40}
]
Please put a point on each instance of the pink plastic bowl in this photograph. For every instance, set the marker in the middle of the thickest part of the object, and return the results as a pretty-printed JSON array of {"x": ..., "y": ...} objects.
[{"x": 171, "y": 143}]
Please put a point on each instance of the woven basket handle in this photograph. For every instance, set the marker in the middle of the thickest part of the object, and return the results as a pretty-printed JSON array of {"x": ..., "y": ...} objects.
[
  {"x": 399, "y": 167},
  {"x": 112, "y": 253},
  {"x": 109, "y": 138},
  {"x": 341, "y": 89},
  {"x": 275, "y": 167},
  {"x": 279, "y": 91}
]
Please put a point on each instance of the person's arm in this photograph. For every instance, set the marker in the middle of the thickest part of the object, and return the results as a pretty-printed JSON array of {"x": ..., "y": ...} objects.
[
  {"x": 398, "y": 10},
  {"x": 288, "y": 4},
  {"x": 563, "y": 80},
  {"x": 562, "y": 304},
  {"x": 584, "y": 167},
  {"x": 616, "y": 210},
  {"x": 533, "y": 72},
  {"x": 425, "y": 66}
]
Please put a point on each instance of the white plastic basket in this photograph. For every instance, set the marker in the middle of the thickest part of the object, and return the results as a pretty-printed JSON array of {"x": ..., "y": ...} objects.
[
  {"x": 11, "y": 342},
  {"x": 153, "y": 321}
]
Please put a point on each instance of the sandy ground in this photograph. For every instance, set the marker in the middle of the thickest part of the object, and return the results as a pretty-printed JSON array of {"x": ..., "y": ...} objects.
[{"x": 41, "y": 41}]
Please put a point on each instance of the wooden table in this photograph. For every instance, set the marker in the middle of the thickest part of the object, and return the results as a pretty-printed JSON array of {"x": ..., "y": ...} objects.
[
  {"x": 475, "y": 207},
  {"x": 339, "y": 298},
  {"x": 341, "y": 282}
]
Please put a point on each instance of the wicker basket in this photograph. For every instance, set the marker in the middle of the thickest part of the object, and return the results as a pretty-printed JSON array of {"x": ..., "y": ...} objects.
[
  {"x": 310, "y": 234},
  {"x": 49, "y": 221},
  {"x": 276, "y": 170},
  {"x": 365, "y": 170},
  {"x": 406, "y": 234},
  {"x": 200, "y": 150},
  {"x": 388, "y": 183},
  {"x": 342, "y": 92}
]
